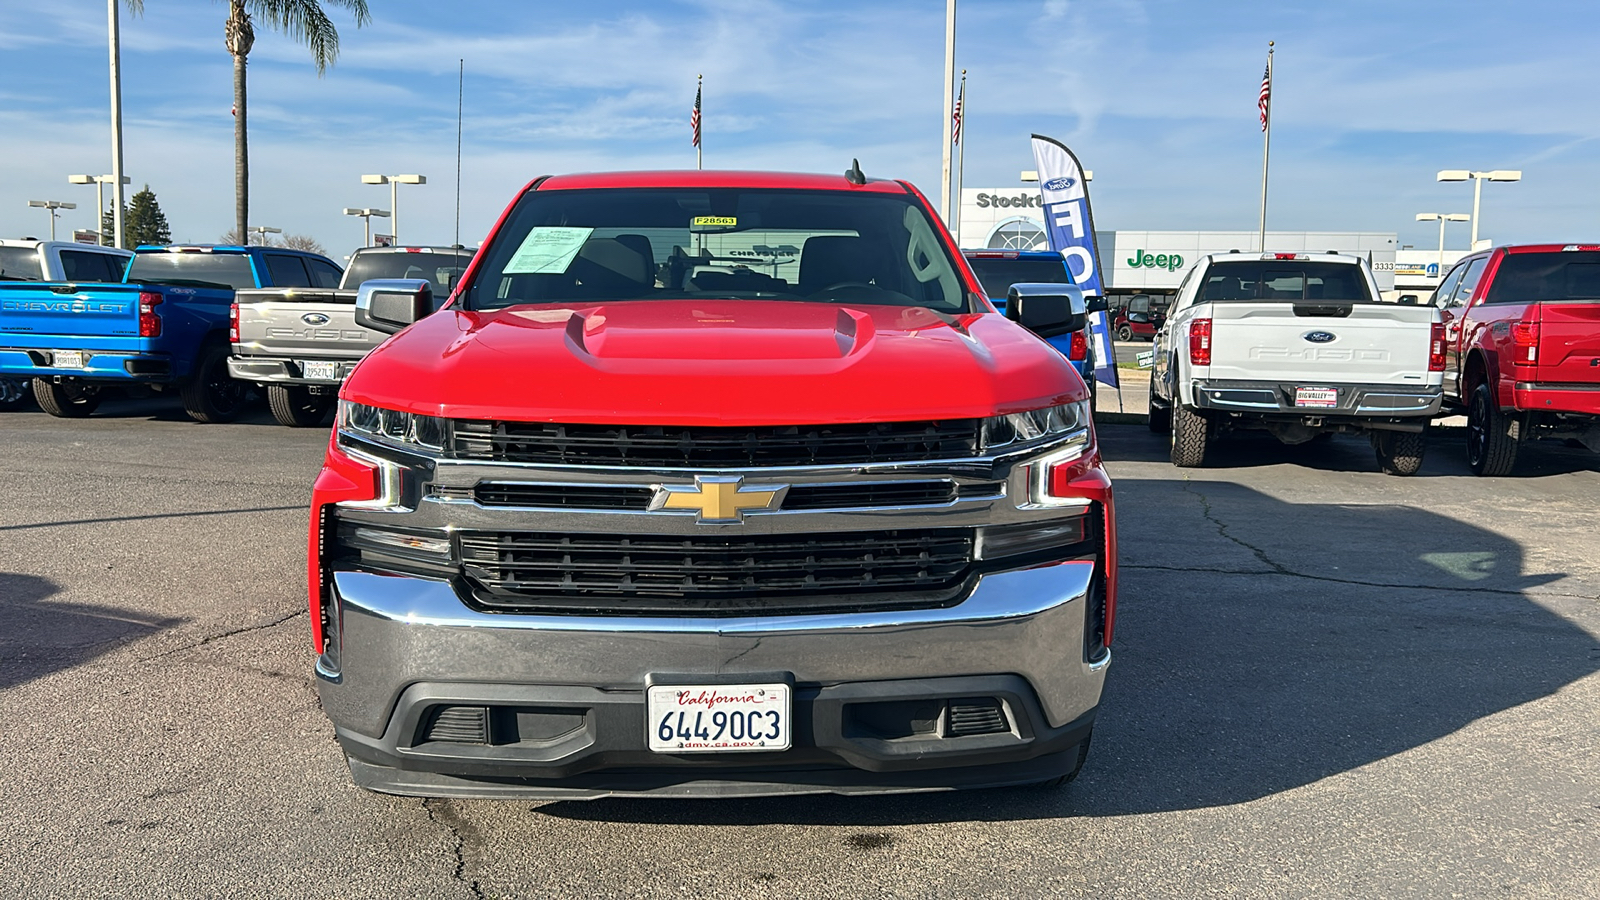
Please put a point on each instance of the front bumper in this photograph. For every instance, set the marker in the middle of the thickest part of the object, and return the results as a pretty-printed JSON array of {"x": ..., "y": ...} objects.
[
  {"x": 405, "y": 644},
  {"x": 281, "y": 371},
  {"x": 1380, "y": 401},
  {"x": 98, "y": 365}
]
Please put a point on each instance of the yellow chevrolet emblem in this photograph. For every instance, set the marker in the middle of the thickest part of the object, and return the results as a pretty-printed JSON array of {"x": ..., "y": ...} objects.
[{"x": 719, "y": 498}]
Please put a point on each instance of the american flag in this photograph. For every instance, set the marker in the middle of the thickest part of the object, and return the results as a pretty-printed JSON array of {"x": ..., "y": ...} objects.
[
  {"x": 1264, "y": 102},
  {"x": 955, "y": 117},
  {"x": 694, "y": 117}
]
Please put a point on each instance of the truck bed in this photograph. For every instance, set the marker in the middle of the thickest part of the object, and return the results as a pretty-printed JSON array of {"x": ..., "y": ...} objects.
[{"x": 281, "y": 331}]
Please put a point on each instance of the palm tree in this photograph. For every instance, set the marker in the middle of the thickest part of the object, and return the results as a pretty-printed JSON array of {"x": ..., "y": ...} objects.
[{"x": 303, "y": 20}]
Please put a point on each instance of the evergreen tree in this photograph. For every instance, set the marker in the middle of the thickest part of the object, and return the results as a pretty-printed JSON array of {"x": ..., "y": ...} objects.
[{"x": 143, "y": 222}]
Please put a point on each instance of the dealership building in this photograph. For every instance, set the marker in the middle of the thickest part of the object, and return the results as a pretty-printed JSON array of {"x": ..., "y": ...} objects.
[{"x": 1155, "y": 261}]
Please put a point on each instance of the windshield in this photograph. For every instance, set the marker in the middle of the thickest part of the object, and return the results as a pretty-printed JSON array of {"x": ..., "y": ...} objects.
[
  {"x": 997, "y": 275},
  {"x": 1546, "y": 277},
  {"x": 441, "y": 268},
  {"x": 228, "y": 271},
  {"x": 1285, "y": 280},
  {"x": 588, "y": 246},
  {"x": 20, "y": 264}
]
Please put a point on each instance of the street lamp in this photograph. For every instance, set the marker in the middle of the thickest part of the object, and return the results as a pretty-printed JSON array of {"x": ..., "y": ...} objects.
[
  {"x": 99, "y": 182},
  {"x": 394, "y": 198},
  {"x": 262, "y": 230},
  {"x": 366, "y": 219},
  {"x": 1478, "y": 178},
  {"x": 52, "y": 206},
  {"x": 1443, "y": 218}
]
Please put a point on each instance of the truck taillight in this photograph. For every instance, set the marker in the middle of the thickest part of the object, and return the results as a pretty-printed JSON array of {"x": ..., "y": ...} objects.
[
  {"x": 233, "y": 324},
  {"x": 1525, "y": 337},
  {"x": 1436, "y": 349},
  {"x": 149, "y": 322},
  {"x": 1078, "y": 351},
  {"x": 1200, "y": 342}
]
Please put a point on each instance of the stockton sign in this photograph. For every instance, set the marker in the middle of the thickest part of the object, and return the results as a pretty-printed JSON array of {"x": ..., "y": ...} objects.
[
  {"x": 1022, "y": 201},
  {"x": 1172, "y": 262}
]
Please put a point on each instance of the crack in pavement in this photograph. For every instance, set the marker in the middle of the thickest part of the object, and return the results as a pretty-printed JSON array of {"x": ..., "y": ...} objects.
[
  {"x": 449, "y": 818},
  {"x": 1222, "y": 531},
  {"x": 209, "y": 639}
]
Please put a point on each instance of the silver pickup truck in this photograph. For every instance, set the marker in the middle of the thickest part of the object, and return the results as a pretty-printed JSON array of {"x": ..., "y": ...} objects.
[{"x": 300, "y": 343}]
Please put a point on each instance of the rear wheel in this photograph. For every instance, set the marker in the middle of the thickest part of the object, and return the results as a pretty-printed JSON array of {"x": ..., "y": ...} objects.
[
  {"x": 296, "y": 406},
  {"x": 211, "y": 395},
  {"x": 1124, "y": 333},
  {"x": 1190, "y": 433},
  {"x": 13, "y": 393},
  {"x": 1399, "y": 452},
  {"x": 1492, "y": 436},
  {"x": 66, "y": 400}
]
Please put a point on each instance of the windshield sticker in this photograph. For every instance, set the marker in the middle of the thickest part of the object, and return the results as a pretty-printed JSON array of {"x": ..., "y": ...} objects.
[
  {"x": 547, "y": 251},
  {"x": 715, "y": 221}
]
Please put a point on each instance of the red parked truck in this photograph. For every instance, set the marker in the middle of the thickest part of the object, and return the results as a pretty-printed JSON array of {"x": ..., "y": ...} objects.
[
  {"x": 710, "y": 484},
  {"x": 1522, "y": 327}
]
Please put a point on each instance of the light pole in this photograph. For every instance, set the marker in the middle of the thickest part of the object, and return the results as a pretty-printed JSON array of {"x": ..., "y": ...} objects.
[
  {"x": 366, "y": 219},
  {"x": 1443, "y": 218},
  {"x": 52, "y": 206},
  {"x": 99, "y": 182},
  {"x": 263, "y": 230},
  {"x": 394, "y": 197},
  {"x": 1478, "y": 178},
  {"x": 114, "y": 30}
]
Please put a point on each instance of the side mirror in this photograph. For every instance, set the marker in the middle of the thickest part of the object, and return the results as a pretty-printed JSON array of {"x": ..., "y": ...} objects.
[
  {"x": 390, "y": 304},
  {"x": 1096, "y": 304},
  {"x": 1048, "y": 310},
  {"x": 1408, "y": 299}
]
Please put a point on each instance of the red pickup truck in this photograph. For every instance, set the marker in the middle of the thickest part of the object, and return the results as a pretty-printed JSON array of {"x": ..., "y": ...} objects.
[
  {"x": 1522, "y": 331},
  {"x": 710, "y": 484}
]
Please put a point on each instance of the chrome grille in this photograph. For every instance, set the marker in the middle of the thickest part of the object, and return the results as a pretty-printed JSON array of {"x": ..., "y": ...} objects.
[
  {"x": 714, "y": 446},
  {"x": 848, "y": 495},
  {"x": 631, "y": 574}
]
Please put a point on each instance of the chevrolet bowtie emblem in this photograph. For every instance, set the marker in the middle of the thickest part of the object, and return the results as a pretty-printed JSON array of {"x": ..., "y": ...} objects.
[{"x": 718, "y": 498}]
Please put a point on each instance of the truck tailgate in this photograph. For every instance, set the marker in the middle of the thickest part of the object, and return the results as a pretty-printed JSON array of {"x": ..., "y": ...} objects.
[
  {"x": 1569, "y": 342},
  {"x": 296, "y": 323},
  {"x": 105, "y": 310},
  {"x": 1363, "y": 343}
]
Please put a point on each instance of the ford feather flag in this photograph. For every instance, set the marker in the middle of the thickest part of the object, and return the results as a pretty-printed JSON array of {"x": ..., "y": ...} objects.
[{"x": 1070, "y": 227}]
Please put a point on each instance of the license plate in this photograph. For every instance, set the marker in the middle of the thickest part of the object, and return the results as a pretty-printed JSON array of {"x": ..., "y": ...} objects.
[
  {"x": 68, "y": 359},
  {"x": 717, "y": 718},
  {"x": 322, "y": 371},
  {"x": 1321, "y": 398}
]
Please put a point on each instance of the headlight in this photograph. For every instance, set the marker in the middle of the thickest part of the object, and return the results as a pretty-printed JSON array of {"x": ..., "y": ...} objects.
[
  {"x": 1067, "y": 423},
  {"x": 391, "y": 426}
]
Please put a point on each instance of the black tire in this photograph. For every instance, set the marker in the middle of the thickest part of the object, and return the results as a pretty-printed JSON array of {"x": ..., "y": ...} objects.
[
  {"x": 1399, "y": 452},
  {"x": 13, "y": 393},
  {"x": 1066, "y": 778},
  {"x": 296, "y": 406},
  {"x": 66, "y": 400},
  {"x": 1492, "y": 436},
  {"x": 1190, "y": 432},
  {"x": 1124, "y": 333},
  {"x": 1160, "y": 421},
  {"x": 211, "y": 395}
]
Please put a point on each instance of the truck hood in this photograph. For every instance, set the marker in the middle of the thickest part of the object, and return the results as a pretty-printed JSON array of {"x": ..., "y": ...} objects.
[{"x": 713, "y": 362}]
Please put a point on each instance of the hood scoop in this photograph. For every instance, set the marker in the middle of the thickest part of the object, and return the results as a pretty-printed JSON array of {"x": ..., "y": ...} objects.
[{"x": 719, "y": 331}]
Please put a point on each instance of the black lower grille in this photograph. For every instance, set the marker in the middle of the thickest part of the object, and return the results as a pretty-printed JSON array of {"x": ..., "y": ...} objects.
[
  {"x": 458, "y": 724},
  {"x": 663, "y": 575},
  {"x": 977, "y": 715},
  {"x": 714, "y": 446}
]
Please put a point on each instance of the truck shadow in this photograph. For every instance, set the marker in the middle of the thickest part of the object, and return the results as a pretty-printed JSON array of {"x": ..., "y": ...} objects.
[
  {"x": 42, "y": 637},
  {"x": 1249, "y": 664}
]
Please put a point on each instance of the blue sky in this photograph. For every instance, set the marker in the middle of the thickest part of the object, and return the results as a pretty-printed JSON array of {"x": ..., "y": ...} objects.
[{"x": 1157, "y": 97}]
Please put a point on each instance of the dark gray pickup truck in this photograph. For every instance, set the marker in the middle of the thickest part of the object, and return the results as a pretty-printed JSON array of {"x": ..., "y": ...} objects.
[{"x": 300, "y": 343}]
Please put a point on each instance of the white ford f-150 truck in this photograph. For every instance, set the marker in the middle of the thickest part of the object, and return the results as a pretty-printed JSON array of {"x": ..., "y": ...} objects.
[{"x": 1298, "y": 345}]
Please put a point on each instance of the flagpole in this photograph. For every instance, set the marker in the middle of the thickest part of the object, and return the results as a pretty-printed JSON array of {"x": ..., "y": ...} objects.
[
  {"x": 949, "y": 76},
  {"x": 1266, "y": 147},
  {"x": 961, "y": 157},
  {"x": 699, "y": 150}
]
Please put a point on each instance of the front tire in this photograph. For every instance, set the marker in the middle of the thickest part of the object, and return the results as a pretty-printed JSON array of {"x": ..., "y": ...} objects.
[
  {"x": 1400, "y": 452},
  {"x": 1124, "y": 333},
  {"x": 1492, "y": 436},
  {"x": 1190, "y": 434},
  {"x": 13, "y": 393},
  {"x": 296, "y": 406},
  {"x": 66, "y": 400},
  {"x": 211, "y": 395}
]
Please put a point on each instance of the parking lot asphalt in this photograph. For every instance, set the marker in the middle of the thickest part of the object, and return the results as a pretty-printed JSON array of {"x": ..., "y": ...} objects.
[{"x": 1327, "y": 682}]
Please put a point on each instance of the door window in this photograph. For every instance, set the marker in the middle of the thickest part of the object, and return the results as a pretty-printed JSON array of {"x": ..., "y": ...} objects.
[
  {"x": 84, "y": 265},
  {"x": 323, "y": 274},
  {"x": 1469, "y": 282},
  {"x": 287, "y": 271},
  {"x": 1441, "y": 294}
]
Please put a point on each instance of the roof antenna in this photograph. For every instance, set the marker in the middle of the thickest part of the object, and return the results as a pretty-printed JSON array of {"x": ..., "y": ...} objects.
[{"x": 854, "y": 174}]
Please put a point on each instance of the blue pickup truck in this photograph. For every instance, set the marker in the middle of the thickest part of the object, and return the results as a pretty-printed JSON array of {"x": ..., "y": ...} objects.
[
  {"x": 998, "y": 270},
  {"x": 164, "y": 328}
]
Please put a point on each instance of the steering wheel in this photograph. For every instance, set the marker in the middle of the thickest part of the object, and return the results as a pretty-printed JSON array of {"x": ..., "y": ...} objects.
[{"x": 848, "y": 284}]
